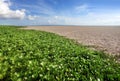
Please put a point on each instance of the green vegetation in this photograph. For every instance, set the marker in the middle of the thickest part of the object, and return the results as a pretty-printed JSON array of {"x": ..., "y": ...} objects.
[{"x": 29, "y": 55}]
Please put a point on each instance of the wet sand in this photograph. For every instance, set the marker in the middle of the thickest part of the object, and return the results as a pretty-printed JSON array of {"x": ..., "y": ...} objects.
[{"x": 100, "y": 38}]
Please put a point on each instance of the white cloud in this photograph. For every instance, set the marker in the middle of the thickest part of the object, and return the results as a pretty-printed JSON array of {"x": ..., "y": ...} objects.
[
  {"x": 104, "y": 18},
  {"x": 52, "y": 20},
  {"x": 7, "y": 13},
  {"x": 60, "y": 20},
  {"x": 90, "y": 19},
  {"x": 30, "y": 17}
]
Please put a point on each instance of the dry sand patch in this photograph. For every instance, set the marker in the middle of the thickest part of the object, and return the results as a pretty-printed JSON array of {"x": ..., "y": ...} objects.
[{"x": 103, "y": 38}]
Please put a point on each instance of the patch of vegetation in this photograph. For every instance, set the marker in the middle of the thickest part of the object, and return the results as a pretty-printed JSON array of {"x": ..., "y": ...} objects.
[{"x": 28, "y": 55}]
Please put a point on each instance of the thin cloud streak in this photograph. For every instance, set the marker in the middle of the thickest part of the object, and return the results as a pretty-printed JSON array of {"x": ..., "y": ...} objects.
[
  {"x": 82, "y": 7},
  {"x": 41, "y": 7}
]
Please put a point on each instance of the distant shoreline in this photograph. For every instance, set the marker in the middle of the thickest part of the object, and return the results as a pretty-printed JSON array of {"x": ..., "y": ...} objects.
[
  {"x": 80, "y": 25},
  {"x": 66, "y": 25}
]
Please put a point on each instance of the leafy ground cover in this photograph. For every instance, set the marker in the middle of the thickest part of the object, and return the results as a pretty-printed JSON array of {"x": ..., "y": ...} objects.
[{"x": 29, "y": 55}]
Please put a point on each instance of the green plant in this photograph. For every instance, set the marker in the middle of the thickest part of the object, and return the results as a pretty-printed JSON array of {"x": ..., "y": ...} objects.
[{"x": 29, "y": 55}]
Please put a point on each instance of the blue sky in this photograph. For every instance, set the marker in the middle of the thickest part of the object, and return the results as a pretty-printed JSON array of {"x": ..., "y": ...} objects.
[{"x": 60, "y": 12}]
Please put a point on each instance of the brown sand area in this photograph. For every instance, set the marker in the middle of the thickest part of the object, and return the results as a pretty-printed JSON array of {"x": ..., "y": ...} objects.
[{"x": 105, "y": 38}]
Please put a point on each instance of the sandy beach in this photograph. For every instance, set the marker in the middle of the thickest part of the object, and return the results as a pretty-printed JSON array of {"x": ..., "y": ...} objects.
[{"x": 100, "y": 38}]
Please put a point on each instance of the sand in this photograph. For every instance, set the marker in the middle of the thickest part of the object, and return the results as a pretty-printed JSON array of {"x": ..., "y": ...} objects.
[{"x": 100, "y": 38}]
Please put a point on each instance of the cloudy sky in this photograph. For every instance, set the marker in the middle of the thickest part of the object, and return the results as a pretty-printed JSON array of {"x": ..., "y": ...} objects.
[{"x": 60, "y": 12}]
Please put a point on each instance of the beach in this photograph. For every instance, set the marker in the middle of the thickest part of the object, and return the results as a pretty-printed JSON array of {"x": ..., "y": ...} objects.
[{"x": 105, "y": 38}]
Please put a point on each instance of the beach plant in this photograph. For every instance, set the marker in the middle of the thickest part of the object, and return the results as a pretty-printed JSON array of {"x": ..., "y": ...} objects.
[{"x": 29, "y": 55}]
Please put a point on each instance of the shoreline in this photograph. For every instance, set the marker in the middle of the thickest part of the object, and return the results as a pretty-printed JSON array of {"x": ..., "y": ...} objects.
[{"x": 102, "y": 37}]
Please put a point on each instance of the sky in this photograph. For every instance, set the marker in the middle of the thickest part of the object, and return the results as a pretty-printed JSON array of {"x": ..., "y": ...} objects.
[{"x": 59, "y": 12}]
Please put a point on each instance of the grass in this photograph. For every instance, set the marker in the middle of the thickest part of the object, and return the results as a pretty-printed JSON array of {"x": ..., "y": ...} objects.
[{"x": 29, "y": 55}]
